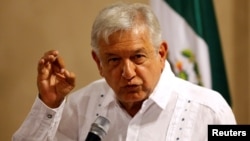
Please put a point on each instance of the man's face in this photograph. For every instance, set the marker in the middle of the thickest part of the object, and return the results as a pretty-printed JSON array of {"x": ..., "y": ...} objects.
[{"x": 130, "y": 64}]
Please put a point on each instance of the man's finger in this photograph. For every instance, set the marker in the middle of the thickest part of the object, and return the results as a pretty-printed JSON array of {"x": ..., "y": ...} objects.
[
  {"x": 70, "y": 77},
  {"x": 59, "y": 61}
]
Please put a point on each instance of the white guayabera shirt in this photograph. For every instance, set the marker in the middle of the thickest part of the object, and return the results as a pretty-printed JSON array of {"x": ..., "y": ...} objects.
[{"x": 176, "y": 110}]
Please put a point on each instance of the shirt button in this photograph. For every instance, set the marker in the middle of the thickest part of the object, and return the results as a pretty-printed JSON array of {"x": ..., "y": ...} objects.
[{"x": 49, "y": 116}]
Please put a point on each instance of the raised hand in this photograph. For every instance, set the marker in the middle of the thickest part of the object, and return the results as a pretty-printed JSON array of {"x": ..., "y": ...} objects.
[{"x": 54, "y": 82}]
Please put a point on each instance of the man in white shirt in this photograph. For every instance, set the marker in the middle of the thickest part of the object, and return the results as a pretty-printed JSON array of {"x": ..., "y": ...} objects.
[{"x": 139, "y": 94}]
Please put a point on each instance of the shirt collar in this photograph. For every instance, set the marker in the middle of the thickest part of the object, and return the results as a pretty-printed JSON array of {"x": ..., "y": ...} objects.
[{"x": 164, "y": 88}]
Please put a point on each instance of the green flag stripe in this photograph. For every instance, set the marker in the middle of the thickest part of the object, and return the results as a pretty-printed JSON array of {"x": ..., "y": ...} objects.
[{"x": 200, "y": 15}]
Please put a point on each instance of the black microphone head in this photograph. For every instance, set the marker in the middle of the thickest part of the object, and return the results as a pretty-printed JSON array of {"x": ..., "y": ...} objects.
[{"x": 100, "y": 127}]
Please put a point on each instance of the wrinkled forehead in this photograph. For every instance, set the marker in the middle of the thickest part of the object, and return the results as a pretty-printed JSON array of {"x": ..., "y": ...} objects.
[{"x": 126, "y": 43}]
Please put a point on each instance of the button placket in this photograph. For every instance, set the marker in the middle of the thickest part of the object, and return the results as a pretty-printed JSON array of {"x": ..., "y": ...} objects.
[
  {"x": 183, "y": 119},
  {"x": 100, "y": 105}
]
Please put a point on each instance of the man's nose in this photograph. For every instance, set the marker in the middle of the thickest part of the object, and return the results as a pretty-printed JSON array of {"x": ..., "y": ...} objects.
[{"x": 128, "y": 69}]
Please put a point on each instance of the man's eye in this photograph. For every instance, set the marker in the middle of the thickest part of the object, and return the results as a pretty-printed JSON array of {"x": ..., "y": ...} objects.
[
  {"x": 139, "y": 58},
  {"x": 114, "y": 60}
]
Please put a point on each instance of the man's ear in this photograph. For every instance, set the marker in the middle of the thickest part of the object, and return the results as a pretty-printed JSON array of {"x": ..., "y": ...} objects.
[
  {"x": 163, "y": 51},
  {"x": 97, "y": 61}
]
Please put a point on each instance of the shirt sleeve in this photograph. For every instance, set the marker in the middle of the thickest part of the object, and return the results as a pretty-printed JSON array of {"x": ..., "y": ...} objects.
[
  {"x": 225, "y": 115},
  {"x": 40, "y": 124}
]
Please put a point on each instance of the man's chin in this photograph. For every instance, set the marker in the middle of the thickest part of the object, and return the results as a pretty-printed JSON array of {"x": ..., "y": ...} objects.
[{"x": 133, "y": 98}]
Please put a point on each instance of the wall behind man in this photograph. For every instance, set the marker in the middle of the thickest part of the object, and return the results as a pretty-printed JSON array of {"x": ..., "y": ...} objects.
[
  {"x": 29, "y": 28},
  {"x": 233, "y": 18}
]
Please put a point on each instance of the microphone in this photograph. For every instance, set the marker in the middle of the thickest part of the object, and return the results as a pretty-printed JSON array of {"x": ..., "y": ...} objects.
[{"x": 98, "y": 129}]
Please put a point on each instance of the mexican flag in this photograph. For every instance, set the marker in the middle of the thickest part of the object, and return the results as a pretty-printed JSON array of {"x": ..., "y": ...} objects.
[{"x": 195, "y": 53}]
